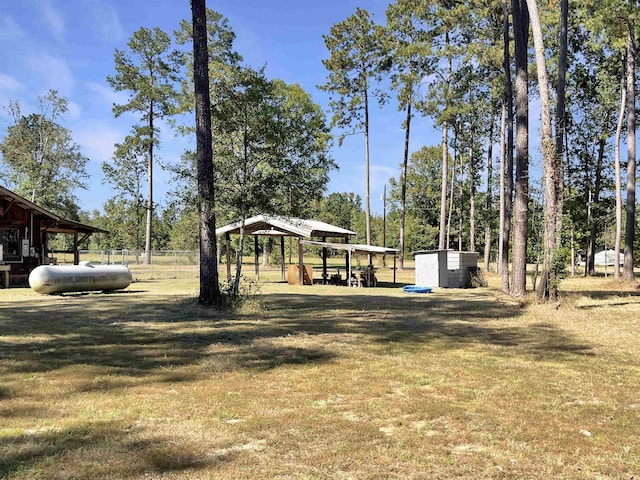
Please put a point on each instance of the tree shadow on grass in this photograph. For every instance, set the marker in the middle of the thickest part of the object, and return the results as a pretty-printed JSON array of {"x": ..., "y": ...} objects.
[
  {"x": 98, "y": 451},
  {"x": 606, "y": 298},
  {"x": 136, "y": 334},
  {"x": 125, "y": 340},
  {"x": 457, "y": 318}
]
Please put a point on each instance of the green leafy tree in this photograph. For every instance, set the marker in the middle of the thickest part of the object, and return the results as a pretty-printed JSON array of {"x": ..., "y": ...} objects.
[
  {"x": 340, "y": 209},
  {"x": 149, "y": 71},
  {"x": 594, "y": 96},
  {"x": 302, "y": 142},
  {"x": 184, "y": 233},
  {"x": 126, "y": 174},
  {"x": 614, "y": 23},
  {"x": 222, "y": 56},
  {"x": 41, "y": 161},
  {"x": 271, "y": 141},
  {"x": 123, "y": 224},
  {"x": 356, "y": 47},
  {"x": 422, "y": 198}
]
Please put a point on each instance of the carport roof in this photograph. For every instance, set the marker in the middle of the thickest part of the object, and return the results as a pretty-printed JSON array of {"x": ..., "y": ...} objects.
[
  {"x": 295, "y": 227},
  {"x": 354, "y": 248}
]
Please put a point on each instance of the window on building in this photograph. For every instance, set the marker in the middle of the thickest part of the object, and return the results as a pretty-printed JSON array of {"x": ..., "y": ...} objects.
[{"x": 10, "y": 243}]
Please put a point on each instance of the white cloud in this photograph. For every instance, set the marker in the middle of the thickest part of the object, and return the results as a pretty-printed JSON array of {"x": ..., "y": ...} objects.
[
  {"x": 74, "y": 110},
  {"x": 8, "y": 83},
  {"x": 55, "y": 73},
  {"x": 107, "y": 94},
  {"x": 380, "y": 174},
  {"x": 97, "y": 141},
  {"x": 106, "y": 22},
  {"x": 9, "y": 28},
  {"x": 53, "y": 19}
]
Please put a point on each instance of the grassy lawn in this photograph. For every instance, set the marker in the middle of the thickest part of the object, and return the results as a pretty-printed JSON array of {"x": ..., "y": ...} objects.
[{"x": 320, "y": 383}]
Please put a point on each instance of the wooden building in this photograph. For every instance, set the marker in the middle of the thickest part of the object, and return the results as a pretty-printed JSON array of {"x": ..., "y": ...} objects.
[{"x": 24, "y": 235}]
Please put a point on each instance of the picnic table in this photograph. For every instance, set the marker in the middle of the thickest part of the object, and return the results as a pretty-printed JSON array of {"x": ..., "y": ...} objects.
[{"x": 368, "y": 277}]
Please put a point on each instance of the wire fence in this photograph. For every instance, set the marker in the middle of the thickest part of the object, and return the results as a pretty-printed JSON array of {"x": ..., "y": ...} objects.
[{"x": 164, "y": 263}]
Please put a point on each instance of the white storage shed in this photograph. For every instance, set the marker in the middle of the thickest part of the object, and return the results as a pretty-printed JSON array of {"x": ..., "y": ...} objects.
[{"x": 445, "y": 268}]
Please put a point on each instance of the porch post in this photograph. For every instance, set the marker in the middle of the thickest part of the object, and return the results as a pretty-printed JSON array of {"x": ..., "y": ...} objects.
[
  {"x": 347, "y": 258},
  {"x": 300, "y": 263},
  {"x": 394, "y": 268},
  {"x": 76, "y": 253},
  {"x": 324, "y": 263},
  {"x": 284, "y": 277},
  {"x": 256, "y": 256}
]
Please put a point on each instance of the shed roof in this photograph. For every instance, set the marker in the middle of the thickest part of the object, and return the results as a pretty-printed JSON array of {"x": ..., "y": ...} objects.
[
  {"x": 296, "y": 227},
  {"x": 52, "y": 223}
]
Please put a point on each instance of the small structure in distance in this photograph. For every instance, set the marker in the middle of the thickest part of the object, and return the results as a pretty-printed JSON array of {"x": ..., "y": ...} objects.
[{"x": 445, "y": 268}]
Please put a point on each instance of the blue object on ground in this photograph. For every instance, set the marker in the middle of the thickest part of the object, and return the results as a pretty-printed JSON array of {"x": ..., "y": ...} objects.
[{"x": 416, "y": 289}]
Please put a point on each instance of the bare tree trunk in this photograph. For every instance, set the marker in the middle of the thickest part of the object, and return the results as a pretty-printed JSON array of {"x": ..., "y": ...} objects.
[
  {"x": 367, "y": 181},
  {"x": 551, "y": 174},
  {"x": 623, "y": 101},
  {"x": 489, "y": 200},
  {"x": 629, "y": 236},
  {"x": 506, "y": 190},
  {"x": 403, "y": 182},
  {"x": 461, "y": 205},
  {"x": 521, "y": 39},
  {"x": 442, "y": 242},
  {"x": 239, "y": 253},
  {"x": 594, "y": 200},
  {"x": 472, "y": 198},
  {"x": 561, "y": 114},
  {"x": 452, "y": 196},
  {"x": 589, "y": 254},
  {"x": 503, "y": 197},
  {"x": 443, "y": 191},
  {"x": 209, "y": 285},
  {"x": 573, "y": 252},
  {"x": 147, "y": 240}
]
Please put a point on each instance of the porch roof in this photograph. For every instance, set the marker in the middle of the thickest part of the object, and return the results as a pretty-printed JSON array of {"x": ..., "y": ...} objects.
[{"x": 50, "y": 221}]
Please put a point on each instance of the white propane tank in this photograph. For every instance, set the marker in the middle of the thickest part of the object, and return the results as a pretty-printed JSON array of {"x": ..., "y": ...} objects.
[{"x": 49, "y": 279}]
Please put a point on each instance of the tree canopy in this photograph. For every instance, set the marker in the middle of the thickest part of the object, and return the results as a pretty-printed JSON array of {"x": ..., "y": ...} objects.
[{"x": 42, "y": 162}]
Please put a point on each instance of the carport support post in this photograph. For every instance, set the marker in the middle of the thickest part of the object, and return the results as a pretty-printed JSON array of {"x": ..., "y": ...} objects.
[
  {"x": 76, "y": 253},
  {"x": 300, "y": 263},
  {"x": 228, "y": 242},
  {"x": 394, "y": 269},
  {"x": 282, "y": 257},
  {"x": 256, "y": 257},
  {"x": 347, "y": 265},
  {"x": 324, "y": 262}
]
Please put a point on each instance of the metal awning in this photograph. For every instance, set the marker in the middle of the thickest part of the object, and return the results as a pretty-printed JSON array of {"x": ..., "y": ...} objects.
[
  {"x": 295, "y": 227},
  {"x": 353, "y": 248}
]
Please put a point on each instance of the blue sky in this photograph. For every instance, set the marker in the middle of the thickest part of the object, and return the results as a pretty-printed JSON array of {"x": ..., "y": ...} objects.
[{"x": 68, "y": 45}]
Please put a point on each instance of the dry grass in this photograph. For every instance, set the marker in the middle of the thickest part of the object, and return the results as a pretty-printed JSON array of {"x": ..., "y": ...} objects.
[{"x": 320, "y": 382}]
